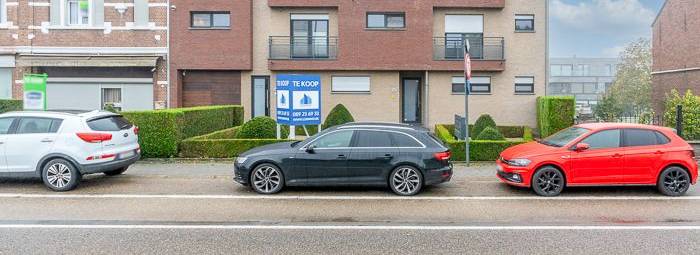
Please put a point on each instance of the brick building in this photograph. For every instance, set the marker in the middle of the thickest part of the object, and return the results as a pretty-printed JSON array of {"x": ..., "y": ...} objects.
[
  {"x": 389, "y": 60},
  {"x": 96, "y": 52},
  {"x": 675, "y": 51}
]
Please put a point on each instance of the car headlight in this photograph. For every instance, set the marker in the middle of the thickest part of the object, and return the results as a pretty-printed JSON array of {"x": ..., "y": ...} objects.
[
  {"x": 240, "y": 160},
  {"x": 518, "y": 162}
]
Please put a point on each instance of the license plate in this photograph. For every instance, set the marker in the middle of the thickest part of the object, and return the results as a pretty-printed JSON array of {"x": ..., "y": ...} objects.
[{"x": 126, "y": 154}]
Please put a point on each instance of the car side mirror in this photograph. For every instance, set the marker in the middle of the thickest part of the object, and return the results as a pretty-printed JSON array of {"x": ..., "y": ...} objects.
[
  {"x": 310, "y": 148},
  {"x": 582, "y": 147}
]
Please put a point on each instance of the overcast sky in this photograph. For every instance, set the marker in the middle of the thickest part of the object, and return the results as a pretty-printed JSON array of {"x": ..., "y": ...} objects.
[{"x": 598, "y": 28}]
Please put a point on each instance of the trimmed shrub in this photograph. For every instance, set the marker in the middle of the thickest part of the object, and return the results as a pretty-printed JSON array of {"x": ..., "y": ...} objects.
[
  {"x": 479, "y": 150},
  {"x": 554, "y": 113},
  {"x": 490, "y": 134},
  {"x": 220, "y": 148},
  {"x": 229, "y": 133},
  {"x": 339, "y": 115},
  {"x": 159, "y": 132},
  {"x": 261, "y": 127},
  {"x": 482, "y": 123},
  {"x": 10, "y": 105},
  {"x": 528, "y": 136},
  {"x": 206, "y": 119},
  {"x": 507, "y": 131}
]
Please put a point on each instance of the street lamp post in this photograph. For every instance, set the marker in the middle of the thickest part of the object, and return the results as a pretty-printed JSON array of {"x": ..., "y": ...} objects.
[{"x": 467, "y": 78}]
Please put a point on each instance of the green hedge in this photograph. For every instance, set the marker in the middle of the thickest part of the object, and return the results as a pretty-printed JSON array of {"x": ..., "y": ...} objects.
[
  {"x": 479, "y": 150},
  {"x": 10, "y": 105},
  {"x": 199, "y": 147},
  {"x": 555, "y": 113},
  {"x": 161, "y": 131},
  {"x": 229, "y": 133}
]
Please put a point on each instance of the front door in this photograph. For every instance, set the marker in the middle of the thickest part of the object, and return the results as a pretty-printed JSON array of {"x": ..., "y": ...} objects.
[
  {"x": 601, "y": 163},
  {"x": 410, "y": 100},
  {"x": 261, "y": 86},
  {"x": 327, "y": 160}
]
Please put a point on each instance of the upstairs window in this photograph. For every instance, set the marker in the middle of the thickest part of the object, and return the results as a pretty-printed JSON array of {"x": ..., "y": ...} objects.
[
  {"x": 78, "y": 12},
  {"x": 210, "y": 20},
  {"x": 524, "y": 23},
  {"x": 386, "y": 20}
]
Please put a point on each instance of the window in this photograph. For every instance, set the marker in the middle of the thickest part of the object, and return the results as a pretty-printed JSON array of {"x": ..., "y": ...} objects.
[
  {"x": 111, "y": 123},
  {"x": 524, "y": 85},
  {"x": 5, "y": 124},
  {"x": 404, "y": 140},
  {"x": 3, "y": 12},
  {"x": 461, "y": 28},
  {"x": 78, "y": 12},
  {"x": 211, "y": 20},
  {"x": 386, "y": 20},
  {"x": 309, "y": 36},
  {"x": 564, "y": 137},
  {"x": 478, "y": 85},
  {"x": 38, "y": 125},
  {"x": 373, "y": 139},
  {"x": 604, "y": 139},
  {"x": 112, "y": 99},
  {"x": 583, "y": 70},
  {"x": 356, "y": 84},
  {"x": 524, "y": 23},
  {"x": 561, "y": 70},
  {"x": 340, "y": 139},
  {"x": 577, "y": 88},
  {"x": 589, "y": 88},
  {"x": 641, "y": 137}
]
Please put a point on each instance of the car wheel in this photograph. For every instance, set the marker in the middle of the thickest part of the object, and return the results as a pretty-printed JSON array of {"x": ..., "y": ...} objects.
[
  {"x": 267, "y": 179},
  {"x": 117, "y": 171},
  {"x": 673, "y": 181},
  {"x": 60, "y": 175},
  {"x": 406, "y": 181},
  {"x": 548, "y": 181}
]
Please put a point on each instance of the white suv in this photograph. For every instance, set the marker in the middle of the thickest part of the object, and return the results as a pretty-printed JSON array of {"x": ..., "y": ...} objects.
[{"x": 60, "y": 147}]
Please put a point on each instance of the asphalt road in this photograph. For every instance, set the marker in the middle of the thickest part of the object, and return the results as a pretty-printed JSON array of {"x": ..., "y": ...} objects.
[{"x": 160, "y": 208}]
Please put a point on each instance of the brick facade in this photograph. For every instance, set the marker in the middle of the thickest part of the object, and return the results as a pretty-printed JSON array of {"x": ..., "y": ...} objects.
[{"x": 676, "y": 33}]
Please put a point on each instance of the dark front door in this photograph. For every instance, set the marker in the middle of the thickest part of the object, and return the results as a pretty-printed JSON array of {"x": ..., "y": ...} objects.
[
  {"x": 410, "y": 100},
  {"x": 327, "y": 161},
  {"x": 372, "y": 157},
  {"x": 261, "y": 86}
]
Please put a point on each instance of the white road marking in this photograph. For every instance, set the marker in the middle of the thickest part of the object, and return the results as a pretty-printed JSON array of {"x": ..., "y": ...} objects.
[
  {"x": 339, "y": 227},
  {"x": 338, "y": 197}
]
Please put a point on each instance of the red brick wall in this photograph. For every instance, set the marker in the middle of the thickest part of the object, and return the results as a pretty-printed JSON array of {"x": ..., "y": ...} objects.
[
  {"x": 369, "y": 49},
  {"x": 217, "y": 49},
  {"x": 676, "y": 34}
]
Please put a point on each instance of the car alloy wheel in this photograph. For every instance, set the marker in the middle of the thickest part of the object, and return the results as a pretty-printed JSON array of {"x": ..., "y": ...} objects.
[
  {"x": 548, "y": 181},
  {"x": 674, "y": 181},
  {"x": 267, "y": 179},
  {"x": 60, "y": 175},
  {"x": 406, "y": 181}
]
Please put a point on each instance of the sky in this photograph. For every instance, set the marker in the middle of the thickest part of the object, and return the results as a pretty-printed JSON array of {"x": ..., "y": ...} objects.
[{"x": 598, "y": 28}]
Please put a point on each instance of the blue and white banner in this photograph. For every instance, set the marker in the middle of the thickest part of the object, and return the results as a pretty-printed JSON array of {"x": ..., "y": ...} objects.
[{"x": 298, "y": 99}]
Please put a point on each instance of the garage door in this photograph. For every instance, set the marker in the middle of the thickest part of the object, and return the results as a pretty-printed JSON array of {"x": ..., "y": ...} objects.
[
  {"x": 211, "y": 88},
  {"x": 92, "y": 96}
]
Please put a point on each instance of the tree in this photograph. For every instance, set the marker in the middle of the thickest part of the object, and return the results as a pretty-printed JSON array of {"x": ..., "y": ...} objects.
[{"x": 631, "y": 90}]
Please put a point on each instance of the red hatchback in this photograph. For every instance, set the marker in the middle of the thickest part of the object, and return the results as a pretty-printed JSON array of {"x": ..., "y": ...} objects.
[{"x": 600, "y": 154}]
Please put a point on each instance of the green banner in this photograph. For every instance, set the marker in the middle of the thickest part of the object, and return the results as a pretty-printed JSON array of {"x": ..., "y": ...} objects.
[{"x": 35, "y": 91}]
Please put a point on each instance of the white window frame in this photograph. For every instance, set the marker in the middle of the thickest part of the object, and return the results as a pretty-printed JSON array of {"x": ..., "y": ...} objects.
[
  {"x": 65, "y": 14},
  {"x": 525, "y": 17},
  {"x": 518, "y": 81},
  {"x": 475, "y": 80},
  {"x": 3, "y": 12},
  {"x": 353, "y": 79}
]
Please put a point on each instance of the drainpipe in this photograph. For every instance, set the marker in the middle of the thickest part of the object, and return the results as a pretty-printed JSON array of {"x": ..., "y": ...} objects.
[
  {"x": 427, "y": 99},
  {"x": 167, "y": 55},
  {"x": 546, "y": 47}
]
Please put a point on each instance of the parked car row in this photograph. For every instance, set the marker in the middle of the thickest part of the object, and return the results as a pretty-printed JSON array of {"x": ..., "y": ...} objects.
[{"x": 61, "y": 147}]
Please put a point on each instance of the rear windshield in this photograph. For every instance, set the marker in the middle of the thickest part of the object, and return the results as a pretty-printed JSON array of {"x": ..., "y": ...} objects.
[{"x": 109, "y": 123}]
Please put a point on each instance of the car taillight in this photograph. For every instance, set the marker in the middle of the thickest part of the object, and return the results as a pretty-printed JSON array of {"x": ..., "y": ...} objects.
[
  {"x": 94, "y": 137},
  {"x": 692, "y": 153},
  {"x": 136, "y": 130},
  {"x": 445, "y": 155}
]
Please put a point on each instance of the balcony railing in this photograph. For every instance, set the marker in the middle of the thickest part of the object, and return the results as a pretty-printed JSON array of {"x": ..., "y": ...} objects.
[
  {"x": 303, "y": 47},
  {"x": 486, "y": 48}
]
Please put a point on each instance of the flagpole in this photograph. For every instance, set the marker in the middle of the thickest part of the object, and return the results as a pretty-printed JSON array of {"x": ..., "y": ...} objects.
[{"x": 466, "y": 101}]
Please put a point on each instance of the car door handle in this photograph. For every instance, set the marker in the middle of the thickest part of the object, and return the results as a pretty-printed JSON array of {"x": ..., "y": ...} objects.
[
  {"x": 388, "y": 156},
  {"x": 341, "y": 156},
  {"x": 659, "y": 152},
  {"x": 46, "y": 140},
  {"x": 617, "y": 155}
]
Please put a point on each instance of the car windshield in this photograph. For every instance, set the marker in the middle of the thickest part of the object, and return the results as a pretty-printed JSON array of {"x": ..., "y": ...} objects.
[{"x": 563, "y": 137}]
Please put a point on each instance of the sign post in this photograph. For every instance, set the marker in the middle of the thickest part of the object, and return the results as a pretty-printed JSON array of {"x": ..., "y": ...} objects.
[
  {"x": 467, "y": 78},
  {"x": 298, "y": 100},
  {"x": 35, "y": 91}
]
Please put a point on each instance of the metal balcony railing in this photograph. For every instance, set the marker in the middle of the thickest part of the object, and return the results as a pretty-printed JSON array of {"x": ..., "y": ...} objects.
[
  {"x": 451, "y": 48},
  {"x": 303, "y": 47}
]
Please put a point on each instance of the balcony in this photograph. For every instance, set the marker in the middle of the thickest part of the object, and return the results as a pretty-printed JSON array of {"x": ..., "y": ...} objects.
[
  {"x": 303, "y": 48},
  {"x": 481, "y": 48}
]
